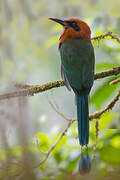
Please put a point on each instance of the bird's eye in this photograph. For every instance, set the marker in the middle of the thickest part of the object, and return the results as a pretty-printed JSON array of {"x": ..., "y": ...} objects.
[
  {"x": 75, "y": 26},
  {"x": 74, "y": 23}
]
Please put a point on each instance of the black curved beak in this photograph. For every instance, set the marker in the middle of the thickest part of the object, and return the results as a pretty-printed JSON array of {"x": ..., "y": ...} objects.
[{"x": 62, "y": 22}]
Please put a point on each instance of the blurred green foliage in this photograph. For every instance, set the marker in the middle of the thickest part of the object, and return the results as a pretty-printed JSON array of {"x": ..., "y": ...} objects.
[{"x": 28, "y": 54}]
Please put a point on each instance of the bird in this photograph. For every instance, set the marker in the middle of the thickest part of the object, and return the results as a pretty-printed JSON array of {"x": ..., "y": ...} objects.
[{"x": 77, "y": 68}]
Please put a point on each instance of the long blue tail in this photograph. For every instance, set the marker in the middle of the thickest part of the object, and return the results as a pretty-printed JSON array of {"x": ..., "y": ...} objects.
[{"x": 83, "y": 119}]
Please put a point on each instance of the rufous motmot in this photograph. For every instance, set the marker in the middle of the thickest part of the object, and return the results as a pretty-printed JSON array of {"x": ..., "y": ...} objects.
[{"x": 77, "y": 70}]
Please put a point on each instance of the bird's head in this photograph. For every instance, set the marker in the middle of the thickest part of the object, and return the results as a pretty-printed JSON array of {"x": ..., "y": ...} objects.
[{"x": 73, "y": 28}]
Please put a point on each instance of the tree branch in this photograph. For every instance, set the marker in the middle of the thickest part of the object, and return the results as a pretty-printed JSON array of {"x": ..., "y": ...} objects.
[
  {"x": 59, "y": 112},
  {"x": 109, "y": 34},
  {"x": 115, "y": 81},
  {"x": 54, "y": 145},
  {"x": 115, "y": 71},
  {"x": 98, "y": 114},
  {"x": 95, "y": 115},
  {"x": 30, "y": 90}
]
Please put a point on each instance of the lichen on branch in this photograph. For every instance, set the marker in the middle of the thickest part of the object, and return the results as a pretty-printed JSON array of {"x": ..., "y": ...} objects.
[{"x": 30, "y": 90}]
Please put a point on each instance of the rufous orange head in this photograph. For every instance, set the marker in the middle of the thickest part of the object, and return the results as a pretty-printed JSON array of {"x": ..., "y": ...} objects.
[{"x": 73, "y": 28}]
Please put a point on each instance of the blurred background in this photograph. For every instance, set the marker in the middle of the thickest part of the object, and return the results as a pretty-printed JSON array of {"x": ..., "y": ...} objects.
[{"x": 28, "y": 125}]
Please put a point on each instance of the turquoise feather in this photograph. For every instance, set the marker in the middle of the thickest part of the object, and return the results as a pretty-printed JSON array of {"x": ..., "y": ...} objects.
[
  {"x": 83, "y": 119},
  {"x": 77, "y": 58}
]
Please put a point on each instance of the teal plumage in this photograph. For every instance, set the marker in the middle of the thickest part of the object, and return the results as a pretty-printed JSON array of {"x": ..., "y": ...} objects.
[
  {"x": 83, "y": 119},
  {"x": 77, "y": 58}
]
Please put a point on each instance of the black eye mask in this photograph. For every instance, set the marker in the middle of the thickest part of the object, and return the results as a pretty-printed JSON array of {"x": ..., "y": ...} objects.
[{"x": 74, "y": 25}]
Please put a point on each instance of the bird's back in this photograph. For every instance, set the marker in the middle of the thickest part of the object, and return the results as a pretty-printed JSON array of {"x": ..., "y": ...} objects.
[{"x": 77, "y": 56}]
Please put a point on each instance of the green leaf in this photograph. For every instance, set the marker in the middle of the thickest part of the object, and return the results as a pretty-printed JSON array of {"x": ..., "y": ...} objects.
[
  {"x": 105, "y": 120},
  {"x": 116, "y": 142},
  {"x": 110, "y": 154},
  {"x": 105, "y": 65},
  {"x": 58, "y": 156},
  {"x": 44, "y": 141},
  {"x": 103, "y": 93}
]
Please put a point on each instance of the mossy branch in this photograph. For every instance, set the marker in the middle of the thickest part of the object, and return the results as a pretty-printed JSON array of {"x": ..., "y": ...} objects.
[
  {"x": 108, "y": 34},
  {"x": 115, "y": 81},
  {"x": 30, "y": 90},
  {"x": 111, "y": 104}
]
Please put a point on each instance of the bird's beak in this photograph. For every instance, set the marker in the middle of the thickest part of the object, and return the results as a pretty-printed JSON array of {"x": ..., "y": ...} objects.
[{"x": 62, "y": 22}]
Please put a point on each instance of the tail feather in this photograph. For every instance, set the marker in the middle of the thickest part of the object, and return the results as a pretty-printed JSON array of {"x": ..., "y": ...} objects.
[{"x": 83, "y": 119}]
